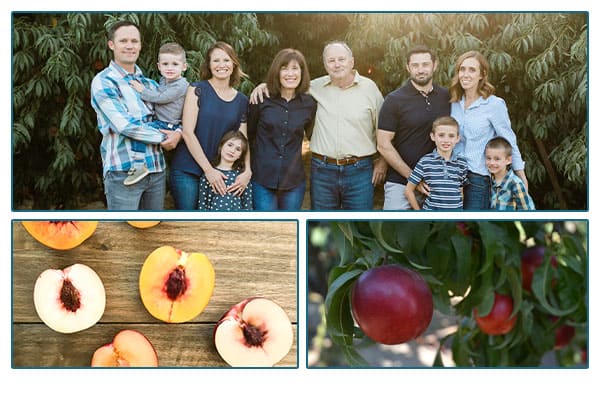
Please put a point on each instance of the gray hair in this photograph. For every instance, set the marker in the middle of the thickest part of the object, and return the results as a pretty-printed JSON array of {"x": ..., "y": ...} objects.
[{"x": 338, "y": 42}]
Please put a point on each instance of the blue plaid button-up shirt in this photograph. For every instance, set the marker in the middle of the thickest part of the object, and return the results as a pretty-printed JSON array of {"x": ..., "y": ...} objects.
[
  {"x": 510, "y": 194},
  {"x": 122, "y": 116}
]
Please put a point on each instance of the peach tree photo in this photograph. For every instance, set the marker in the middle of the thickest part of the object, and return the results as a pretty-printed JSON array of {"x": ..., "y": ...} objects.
[{"x": 518, "y": 290}]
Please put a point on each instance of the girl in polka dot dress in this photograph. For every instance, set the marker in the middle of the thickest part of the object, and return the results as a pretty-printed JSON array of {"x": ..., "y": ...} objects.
[{"x": 230, "y": 161}]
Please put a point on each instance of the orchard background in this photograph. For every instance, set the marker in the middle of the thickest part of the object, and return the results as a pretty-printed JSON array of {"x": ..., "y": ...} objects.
[
  {"x": 539, "y": 65},
  {"x": 465, "y": 263}
]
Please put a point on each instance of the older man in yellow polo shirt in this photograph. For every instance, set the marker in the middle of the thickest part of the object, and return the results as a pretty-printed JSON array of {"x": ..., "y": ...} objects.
[{"x": 344, "y": 168}]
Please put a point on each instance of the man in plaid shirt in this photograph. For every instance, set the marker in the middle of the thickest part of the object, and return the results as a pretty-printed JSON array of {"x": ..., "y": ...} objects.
[
  {"x": 508, "y": 190},
  {"x": 122, "y": 116}
]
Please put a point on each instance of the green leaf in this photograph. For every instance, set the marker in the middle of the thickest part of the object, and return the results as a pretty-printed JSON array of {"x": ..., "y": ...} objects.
[{"x": 340, "y": 323}]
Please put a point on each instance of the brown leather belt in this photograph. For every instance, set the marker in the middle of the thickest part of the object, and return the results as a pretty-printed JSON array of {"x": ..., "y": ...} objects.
[{"x": 340, "y": 161}]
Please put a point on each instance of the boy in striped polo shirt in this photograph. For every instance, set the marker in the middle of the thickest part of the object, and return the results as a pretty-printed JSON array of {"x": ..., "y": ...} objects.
[
  {"x": 508, "y": 190},
  {"x": 442, "y": 170}
]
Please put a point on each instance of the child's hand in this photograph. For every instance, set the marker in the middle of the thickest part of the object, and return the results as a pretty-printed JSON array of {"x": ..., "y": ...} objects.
[{"x": 137, "y": 86}]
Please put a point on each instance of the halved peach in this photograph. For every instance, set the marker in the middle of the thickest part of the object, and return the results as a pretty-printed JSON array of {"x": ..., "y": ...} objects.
[
  {"x": 176, "y": 286},
  {"x": 143, "y": 224},
  {"x": 60, "y": 235},
  {"x": 254, "y": 333},
  {"x": 129, "y": 348}
]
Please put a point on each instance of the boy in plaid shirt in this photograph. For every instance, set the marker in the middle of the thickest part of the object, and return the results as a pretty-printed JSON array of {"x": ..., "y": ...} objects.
[{"x": 508, "y": 190}]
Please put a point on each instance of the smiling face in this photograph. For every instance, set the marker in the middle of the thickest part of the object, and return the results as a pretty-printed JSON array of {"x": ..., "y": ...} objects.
[
  {"x": 290, "y": 75},
  {"x": 221, "y": 65},
  {"x": 231, "y": 150},
  {"x": 497, "y": 161},
  {"x": 339, "y": 63},
  {"x": 171, "y": 66},
  {"x": 445, "y": 138},
  {"x": 126, "y": 45},
  {"x": 469, "y": 74},
  {"x": 421, "y": 68}
]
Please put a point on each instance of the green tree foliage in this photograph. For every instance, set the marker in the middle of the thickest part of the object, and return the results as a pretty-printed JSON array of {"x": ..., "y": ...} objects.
[
  {"x": 539, "y": 65},
  {"x": 464, "y": 264}
]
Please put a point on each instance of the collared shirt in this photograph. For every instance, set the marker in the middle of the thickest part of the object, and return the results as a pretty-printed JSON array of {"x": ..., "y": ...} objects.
[
  {"x": 483, "y": 120},
  {"x": 410, "y": 114},
  {"x": 122, "y": 116},
  {"x": 510, "y": 194},
  {"x": 276, "y": 130},
  {"x": 346, "y": 119},
  {"x": 445, "y": 180}
]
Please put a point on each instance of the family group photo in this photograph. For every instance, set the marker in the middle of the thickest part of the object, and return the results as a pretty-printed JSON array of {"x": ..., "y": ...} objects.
[{"x": 300, "y": 111}]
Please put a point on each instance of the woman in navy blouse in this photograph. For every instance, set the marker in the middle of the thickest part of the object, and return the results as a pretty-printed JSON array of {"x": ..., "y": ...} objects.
[
  {"x": 276, "y": 129},
  {"x": 480, "y": 116},
  {"x": 212, "y": 107}
]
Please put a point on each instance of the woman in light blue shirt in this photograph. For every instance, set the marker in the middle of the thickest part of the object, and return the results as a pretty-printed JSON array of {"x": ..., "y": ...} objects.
[{"x": 480, "y": 116}]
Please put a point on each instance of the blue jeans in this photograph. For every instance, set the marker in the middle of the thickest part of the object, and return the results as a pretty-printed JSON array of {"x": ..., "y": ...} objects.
[
  {"x": 140, "y": 147},
  {"x": 265, "y": 199},
  {"x": 346, "y": 187},
  {"x": 147, "y": 194},
  {"x": 184, "y": 189},
  {"x": 477, "y": 192}
]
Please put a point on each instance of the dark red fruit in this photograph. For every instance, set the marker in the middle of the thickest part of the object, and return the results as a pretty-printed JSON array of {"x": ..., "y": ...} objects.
[
  {"x": 531, "y": 259},
  {"x": 563, "y": 334},
  {"x": 392, "y": 304},
  {"x": 498, "y": 321}
]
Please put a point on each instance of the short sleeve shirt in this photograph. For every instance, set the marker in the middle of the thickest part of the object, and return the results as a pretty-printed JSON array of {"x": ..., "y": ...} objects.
[{"x": 409, "y": 114}]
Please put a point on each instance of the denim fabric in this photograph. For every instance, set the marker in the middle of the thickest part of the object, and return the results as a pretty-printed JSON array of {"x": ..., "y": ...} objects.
[
  {"x": 147, "y": 194},
  {"x": 346, "y": 187},
  {"x": 266, "y": 199},
  {"x": 477, "y": 192},
  {"x": 184, "y": 189}
]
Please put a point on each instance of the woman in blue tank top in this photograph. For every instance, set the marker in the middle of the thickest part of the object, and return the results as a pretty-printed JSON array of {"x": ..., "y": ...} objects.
[{"x": 212, "y": 107}]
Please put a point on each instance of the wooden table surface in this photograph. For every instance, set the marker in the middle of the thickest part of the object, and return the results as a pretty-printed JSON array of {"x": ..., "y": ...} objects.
[{"x": 250, "y": 258}]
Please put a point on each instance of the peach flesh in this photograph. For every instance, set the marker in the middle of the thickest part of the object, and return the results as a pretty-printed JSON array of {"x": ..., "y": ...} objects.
[
  {"x": 254, "y": 333},
  {"x": 129, "y": 348},
  {"x": 69, "y": 300}
]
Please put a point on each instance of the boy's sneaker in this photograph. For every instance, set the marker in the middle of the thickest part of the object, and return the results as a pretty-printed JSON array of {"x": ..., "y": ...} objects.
[{"x": 135, "y": 175}]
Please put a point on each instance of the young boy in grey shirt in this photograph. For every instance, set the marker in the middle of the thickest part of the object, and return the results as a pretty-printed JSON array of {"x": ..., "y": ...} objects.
[{"x": 168, "y": 99}]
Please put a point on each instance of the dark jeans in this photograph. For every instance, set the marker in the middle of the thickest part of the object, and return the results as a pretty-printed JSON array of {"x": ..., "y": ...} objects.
[
  {"x": 266, "y": 199},
  {"x": 347, "y": 187},
  {"x": 477, "y": 192},
  {"x": 184, "y": 189}
]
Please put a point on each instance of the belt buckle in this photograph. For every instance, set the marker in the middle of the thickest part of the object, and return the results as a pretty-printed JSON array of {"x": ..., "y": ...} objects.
[{"x": 345, "y": 161}]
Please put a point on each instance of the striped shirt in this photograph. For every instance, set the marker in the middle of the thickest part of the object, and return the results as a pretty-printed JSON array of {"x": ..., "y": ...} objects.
[
  {"x": 483, "y": 120},
  {"x": 122, "y": 115},
  {"x": 444, "y": 178},
  {"x": 510, "y": 194}
]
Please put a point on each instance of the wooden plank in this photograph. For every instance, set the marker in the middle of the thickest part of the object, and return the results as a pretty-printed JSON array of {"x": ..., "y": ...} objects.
[
  {"x": 250, "y": 258},
  {"x": 177, "y": 345}
]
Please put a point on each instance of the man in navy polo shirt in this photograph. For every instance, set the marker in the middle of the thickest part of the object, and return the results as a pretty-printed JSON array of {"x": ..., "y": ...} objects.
[{"x": 404, "y": 125}]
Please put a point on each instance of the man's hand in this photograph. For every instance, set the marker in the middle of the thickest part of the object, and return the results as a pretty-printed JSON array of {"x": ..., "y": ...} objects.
[
  {"x": 380, "y": 167},
  {"x": 258, "y": 94},
  {"x": 137, "y": 86},
  {"x": 173, "y": 138}
]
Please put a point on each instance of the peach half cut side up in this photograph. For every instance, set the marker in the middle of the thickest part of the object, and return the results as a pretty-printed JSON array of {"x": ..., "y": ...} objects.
[
  {"x": 254, "y": 333},
  {"x": 129, "y": 348},
  {"x": 69, "y": 300},
  {"x": 176, "y": 286},
  {"x": 60, "y": 235}
]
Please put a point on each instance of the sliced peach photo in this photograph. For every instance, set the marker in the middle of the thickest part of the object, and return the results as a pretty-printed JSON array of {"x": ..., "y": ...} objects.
[
  {"x": 60, "y": 235},
  {"x": 254, "y": 333},
  {"x": 143, "y": 224},
  {"x": 129, "y": 348},
  {"x": 176, "y": 286}
]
